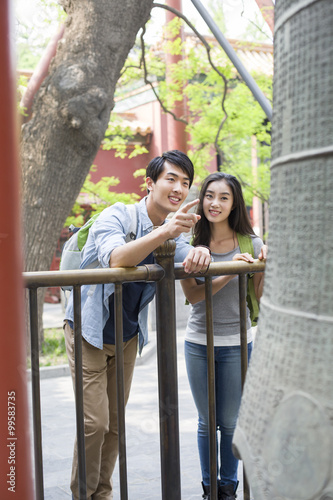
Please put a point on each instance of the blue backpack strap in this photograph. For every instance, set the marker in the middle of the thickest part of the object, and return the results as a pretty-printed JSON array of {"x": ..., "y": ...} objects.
[{"x": 133, "y": 212}]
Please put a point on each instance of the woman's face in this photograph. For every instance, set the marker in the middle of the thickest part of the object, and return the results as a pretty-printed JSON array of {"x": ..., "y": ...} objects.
[{"x": 218, "y": 201}]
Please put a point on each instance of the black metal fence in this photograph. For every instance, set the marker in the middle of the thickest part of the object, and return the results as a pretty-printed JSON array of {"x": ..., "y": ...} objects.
[{"x": 164, "y": 273}]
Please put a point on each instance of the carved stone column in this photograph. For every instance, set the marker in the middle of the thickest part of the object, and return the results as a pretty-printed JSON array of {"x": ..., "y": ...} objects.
[{"x": 285, "y": 427}]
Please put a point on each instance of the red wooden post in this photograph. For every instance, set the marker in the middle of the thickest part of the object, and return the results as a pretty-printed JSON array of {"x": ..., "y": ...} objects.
[
  {"x": 177, "y": 137},
  {"x": 15, "y": 452}
]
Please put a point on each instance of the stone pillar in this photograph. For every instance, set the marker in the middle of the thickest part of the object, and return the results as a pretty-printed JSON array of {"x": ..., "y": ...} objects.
[{"x": 285, "y": 427}]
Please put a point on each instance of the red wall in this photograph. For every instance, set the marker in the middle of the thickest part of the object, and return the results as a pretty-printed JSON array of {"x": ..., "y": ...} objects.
[{"x": 108, "y": 165}]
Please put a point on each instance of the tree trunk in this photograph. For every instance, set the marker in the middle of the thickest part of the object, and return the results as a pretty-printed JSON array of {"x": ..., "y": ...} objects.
[
  {"x": 285, "y": 427},
  {"x": 70, "y": 115}
]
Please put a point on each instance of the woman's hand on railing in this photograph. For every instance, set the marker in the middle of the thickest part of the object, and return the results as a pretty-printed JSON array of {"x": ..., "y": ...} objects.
[
  {"x": 263, "y": 253},
  {"x": 258, "y": 278},
  {"x": 247, "y": 257},
  {"x": 197, "y": 260}
]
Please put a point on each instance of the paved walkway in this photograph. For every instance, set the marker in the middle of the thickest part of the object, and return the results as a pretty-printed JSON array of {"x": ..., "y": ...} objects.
[{"x": 142, "y": 433}]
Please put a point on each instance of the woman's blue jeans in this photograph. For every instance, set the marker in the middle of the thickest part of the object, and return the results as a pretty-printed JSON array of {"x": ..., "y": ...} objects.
[{"x": 228, "y": 387}]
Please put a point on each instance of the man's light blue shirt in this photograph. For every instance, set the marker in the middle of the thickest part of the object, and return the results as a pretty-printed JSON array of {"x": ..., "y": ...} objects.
[{"x": 107, "y": 233}]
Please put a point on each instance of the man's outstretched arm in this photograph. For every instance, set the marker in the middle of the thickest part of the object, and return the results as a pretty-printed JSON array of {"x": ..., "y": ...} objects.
[{"x": 134, "y": 252}]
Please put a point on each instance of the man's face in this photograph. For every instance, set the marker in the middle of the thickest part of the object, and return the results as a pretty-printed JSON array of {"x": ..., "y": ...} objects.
[{"x": 170, "y": 190}]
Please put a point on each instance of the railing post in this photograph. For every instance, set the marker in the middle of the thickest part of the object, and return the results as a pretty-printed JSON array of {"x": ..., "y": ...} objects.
[
  {"x": 81, "y": 454},
  {"x": 243, "y": 330},
  {"x": 118, "y": 313},
  {"x": 167, "y": 373},
  {"x": 35, "y": 383},
  {"x": 243, "y": 339},
  {"x": 211, "y": 388}
]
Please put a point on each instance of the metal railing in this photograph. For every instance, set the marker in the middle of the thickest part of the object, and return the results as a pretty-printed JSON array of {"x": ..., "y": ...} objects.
[{"x": 164, "y": 273}]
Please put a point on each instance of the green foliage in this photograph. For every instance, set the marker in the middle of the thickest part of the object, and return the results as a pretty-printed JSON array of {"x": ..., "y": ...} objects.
[
  {"x": 216, "y": 127},
  {"x": 173, "y": 42},
  {"x": 245, "y": 119},
  {"x": 53, "y": 348},
  {"x": 52, "y": 11},
  {"x": 216, "y": 9},
  {"x": 141, "y": 172},
  {"x": 27, "y": 56},
  {"x": 54, "y": 342},
  {"x": 138, "y": 150},
  {"x": 255, "y": 30},
  {"x": 95, "y": 197},
  {"x": 117, "y": 137},
  {"x": 33, "y": 36},
  {"x": 22, "y": 83}
]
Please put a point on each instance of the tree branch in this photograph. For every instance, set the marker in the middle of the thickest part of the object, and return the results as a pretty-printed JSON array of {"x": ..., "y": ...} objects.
[
  {"x": 148, "y": 82},
  {"x": 208, "y": 48},
  {"x": 255, "y": 192},
  {"x": 123, "y": 71}
]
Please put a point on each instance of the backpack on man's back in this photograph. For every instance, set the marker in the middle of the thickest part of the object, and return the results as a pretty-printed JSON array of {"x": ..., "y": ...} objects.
[{"x": 72, "y": 250}]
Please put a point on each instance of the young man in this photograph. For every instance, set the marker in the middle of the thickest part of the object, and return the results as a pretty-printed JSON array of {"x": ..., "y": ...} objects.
[{"x": 169, "y": 178}]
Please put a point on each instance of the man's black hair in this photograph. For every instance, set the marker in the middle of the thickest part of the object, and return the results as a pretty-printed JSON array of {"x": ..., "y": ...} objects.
[{"x": 175, "y": 157}]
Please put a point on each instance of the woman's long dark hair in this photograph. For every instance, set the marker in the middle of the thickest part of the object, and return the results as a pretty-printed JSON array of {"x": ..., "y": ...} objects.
[{"x": 238, "y": 219}]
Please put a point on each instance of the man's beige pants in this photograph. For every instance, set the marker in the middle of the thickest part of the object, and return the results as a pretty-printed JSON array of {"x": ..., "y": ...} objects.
[{"x": 100, "y": 411}]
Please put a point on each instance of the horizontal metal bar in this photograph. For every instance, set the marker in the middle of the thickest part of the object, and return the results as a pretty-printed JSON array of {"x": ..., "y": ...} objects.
[
  {"x": 224, "y": 268},
  {"x": 149, "y": 272}
]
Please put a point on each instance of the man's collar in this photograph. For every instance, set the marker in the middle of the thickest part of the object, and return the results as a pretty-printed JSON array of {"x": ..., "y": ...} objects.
[{"x": 147, "y": 224}]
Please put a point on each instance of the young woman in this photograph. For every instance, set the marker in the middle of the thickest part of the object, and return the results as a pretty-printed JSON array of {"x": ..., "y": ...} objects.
[{"x": 223, "y": 215}]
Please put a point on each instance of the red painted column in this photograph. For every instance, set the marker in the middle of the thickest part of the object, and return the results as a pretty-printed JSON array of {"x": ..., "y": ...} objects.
[
  {"x": 177, "y": 137},
  {"x": 15, "y": 462}
]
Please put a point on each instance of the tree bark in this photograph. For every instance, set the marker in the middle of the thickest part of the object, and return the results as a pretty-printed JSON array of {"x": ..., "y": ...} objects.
[
  {"x": 70, "y": 115},
  {"x": 285, "y": 427}
]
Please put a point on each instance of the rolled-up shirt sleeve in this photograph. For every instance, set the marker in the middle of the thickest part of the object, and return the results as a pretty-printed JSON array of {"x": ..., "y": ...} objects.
[
  {"x": 107, "y": 233},
  {"x": 182, "y": 248}
]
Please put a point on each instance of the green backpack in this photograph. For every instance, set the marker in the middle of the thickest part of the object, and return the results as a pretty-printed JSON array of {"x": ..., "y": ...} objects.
[
  {"x": 246, "y": 246},
  {"x": 71, "y": 252}
]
